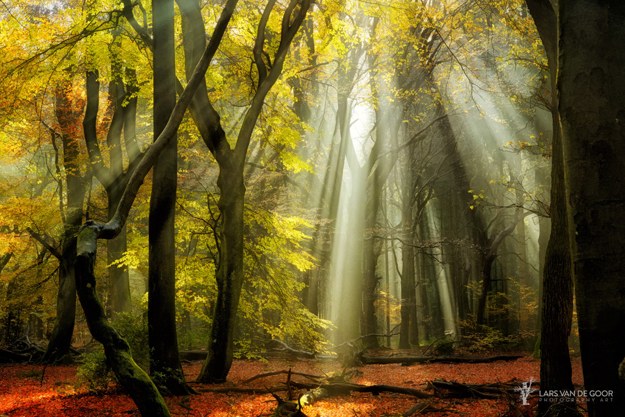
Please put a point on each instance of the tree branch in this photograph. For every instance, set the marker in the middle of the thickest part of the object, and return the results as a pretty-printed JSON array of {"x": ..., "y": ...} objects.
[
  {"x": 45, "y": 241},
  {"x": 259, "y": 44}
]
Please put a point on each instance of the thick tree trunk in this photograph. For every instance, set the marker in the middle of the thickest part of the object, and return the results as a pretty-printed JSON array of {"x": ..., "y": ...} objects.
[
  {"x": 119, "y": 279},
  {"x": 487, "y": 274},
  {"x": 113, "y": 177},
  {"x": 557, "y": 303},
  {"x": 229, "y": 275},
  {"x": 487, "y": 266},
  {"x": 592, "y": 111},
  {"x": 557, "y": 286},
  {"x": 143, "y": 392},
  {"x": 165, "y": 365}
]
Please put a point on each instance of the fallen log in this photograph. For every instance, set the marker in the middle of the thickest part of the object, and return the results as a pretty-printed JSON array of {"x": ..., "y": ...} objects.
[
  {"x": 410, "y": 360},
  {"x": 7, "y": 356},
  {"x": 344, "y": 388},
  {"x": 452, "y": 389},
  {"x": 239, "y": 390}
]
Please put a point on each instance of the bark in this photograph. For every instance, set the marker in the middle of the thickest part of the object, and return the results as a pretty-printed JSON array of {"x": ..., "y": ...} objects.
[
  {"x": 408, "y": 323},
  {"x": 165, "y": 365},
  {"x": 557, "y": 285},
  {"x": 62, "y": 332},
  {"x": 229, "y": 277},
  {"x": 592, "y": 110},
  {"x": 129, "y": 375},
  {"x": 68, "y": 114},
  {"x": 4, "y": 260}
]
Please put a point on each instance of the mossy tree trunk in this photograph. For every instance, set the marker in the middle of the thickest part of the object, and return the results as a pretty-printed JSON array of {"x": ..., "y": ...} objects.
[{"x": 129, "y": 375}]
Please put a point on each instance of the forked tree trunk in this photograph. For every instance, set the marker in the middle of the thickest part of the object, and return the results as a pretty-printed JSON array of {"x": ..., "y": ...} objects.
[{"x": 229, "y": 274}]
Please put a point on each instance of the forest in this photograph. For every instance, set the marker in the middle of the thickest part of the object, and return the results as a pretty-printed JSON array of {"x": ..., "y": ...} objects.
[{"x": 312, "y": 208}]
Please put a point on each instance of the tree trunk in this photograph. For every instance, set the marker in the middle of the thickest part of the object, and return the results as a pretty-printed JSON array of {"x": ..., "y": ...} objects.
[
  {"x": 119, "y": 285},
  {"x": 229, "y": 276},
  {"x": 129, "y": 375},
  {"x": 557, "y": 303},
  {"x": 61, "y": 337},
  {"x": 408, "y": 325},
  {"x": 68, "y": 114},
  {"x": 592, "y": 111},
  {"x": 122, "y": 101},
  {"x": 487, "y": 270},
  {"x": 165, "y": 365},
  {"x": 557, "y": 285}
]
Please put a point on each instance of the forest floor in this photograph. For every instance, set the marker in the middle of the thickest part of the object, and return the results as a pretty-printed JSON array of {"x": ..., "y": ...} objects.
[{"x": 29, "y": 390}]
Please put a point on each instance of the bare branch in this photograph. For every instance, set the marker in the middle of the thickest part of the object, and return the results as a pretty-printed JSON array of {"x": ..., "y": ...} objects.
[{"x": 45, "y": 240}]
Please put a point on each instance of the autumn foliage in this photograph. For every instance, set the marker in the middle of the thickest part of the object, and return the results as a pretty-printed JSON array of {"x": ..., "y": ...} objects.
[{"x": 32, "y": 390}]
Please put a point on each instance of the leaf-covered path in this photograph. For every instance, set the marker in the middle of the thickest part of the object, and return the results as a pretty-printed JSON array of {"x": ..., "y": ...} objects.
[{"x": 25, "y": 391}]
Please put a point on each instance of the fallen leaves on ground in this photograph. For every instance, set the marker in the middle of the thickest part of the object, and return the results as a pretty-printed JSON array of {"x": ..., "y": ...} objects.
[{"x": 32, "y": 390}]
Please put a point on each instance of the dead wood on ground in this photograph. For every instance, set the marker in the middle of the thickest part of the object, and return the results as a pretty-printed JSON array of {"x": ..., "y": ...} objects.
[{"x": 409, "y": 360}]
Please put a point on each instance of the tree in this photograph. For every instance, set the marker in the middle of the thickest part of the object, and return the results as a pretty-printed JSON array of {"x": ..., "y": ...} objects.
[
  {"x": 137, "y": 383},
  {"x": 557, "y": 297},
  {"x": 68, "y": 110},
  {"x": 231, "y": 162},
  {"x": 164, "y": 359},
  {"x": 592, "y": 107},
  {"x": 123, "y": 101}
]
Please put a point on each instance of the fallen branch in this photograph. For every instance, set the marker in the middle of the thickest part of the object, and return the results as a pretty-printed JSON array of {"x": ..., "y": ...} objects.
[
  {"x": 452, "y": 389},
  {"x": 7, "y": 356},
  {"x": 314, "y": 378},
  {"x": 422, "y": 407},
  {"x": 292, "y": 351},
  {"x": 344, "y": 388},
  {"x": 241, "y": 390},
  {"x": 409, "y": 360}
]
